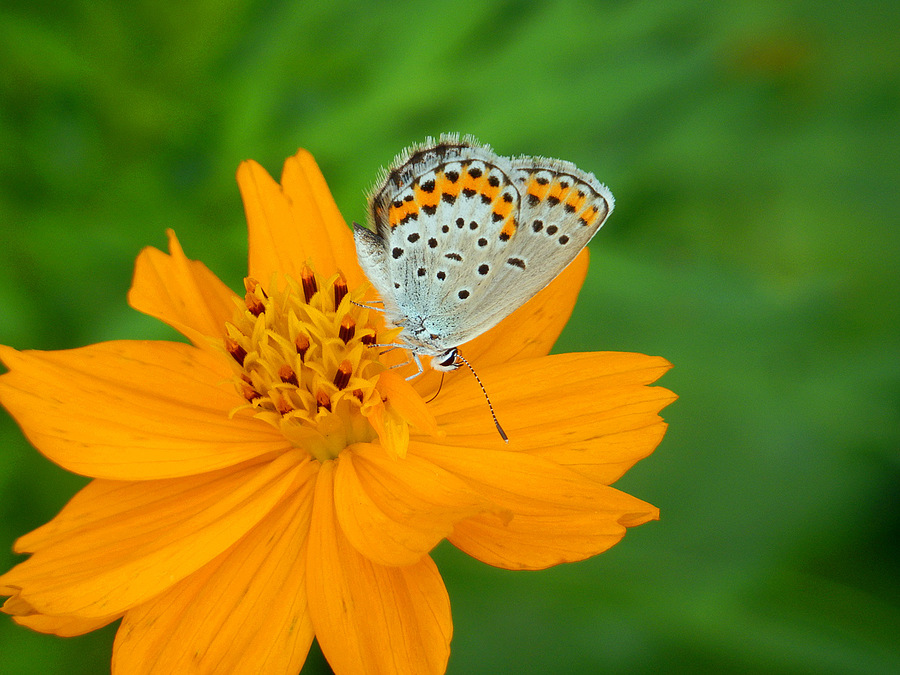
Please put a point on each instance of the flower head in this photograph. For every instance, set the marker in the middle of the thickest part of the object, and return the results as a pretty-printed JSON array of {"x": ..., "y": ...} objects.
[{"x": 278, "y": 479}]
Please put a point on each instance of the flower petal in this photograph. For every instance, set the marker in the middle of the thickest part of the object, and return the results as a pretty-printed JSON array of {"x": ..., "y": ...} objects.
[
  {"x": 394, "y": 512},
  {"x": 118, "y": 544},
  {"x": 557, "y": 515},
  {"x": 181, "y": 292},
  {"x": 131, "y": 410},
  {"x": 295, "y": 223},
  {"x": 64, "y": 626},
  {"x": 592, "y": 411},
  {"x": 244, "y": 612},
  {"x": 370, "y": 618}
]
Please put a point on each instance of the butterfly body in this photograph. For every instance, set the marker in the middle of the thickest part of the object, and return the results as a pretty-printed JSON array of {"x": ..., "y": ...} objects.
[{"x": 461, "y": 237}]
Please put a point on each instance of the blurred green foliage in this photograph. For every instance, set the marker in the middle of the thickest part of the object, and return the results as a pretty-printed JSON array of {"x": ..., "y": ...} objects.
[{"x": 753, "y": 150}]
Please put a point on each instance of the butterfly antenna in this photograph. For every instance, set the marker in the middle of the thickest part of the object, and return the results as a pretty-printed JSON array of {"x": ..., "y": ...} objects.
[
  {"x": 440, "y": 386},
  {"x": 486, "y": 398}
]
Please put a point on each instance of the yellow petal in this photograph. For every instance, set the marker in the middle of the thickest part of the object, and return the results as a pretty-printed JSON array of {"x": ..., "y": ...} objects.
[
  {"x": 401, "y": 396},
  {"x": 244, "y": 612},
  {"x": 537, "y": 542},
  {"x": 181, "y": 292},
  {"x": 557, "y": 515},
  {"x": 313, "y": 205},
  {"x": 370, "y": 618},
  {"x": 63, "y": 626},
  {"x": 118, "y": 544},
  {"x": 395, "y": 511},
  {"x": 592, "y": 412},
  {"x": 392, "y": 430},
  {"x": 295, "y": 223},
  {"x": 132, "y": 410}
]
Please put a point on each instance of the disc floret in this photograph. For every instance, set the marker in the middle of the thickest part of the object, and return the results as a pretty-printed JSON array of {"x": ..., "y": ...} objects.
[{"x": 302, "y": 360}]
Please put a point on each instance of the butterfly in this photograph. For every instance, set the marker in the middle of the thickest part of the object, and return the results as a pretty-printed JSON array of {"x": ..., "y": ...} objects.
[{"x": 461, "y": 237}]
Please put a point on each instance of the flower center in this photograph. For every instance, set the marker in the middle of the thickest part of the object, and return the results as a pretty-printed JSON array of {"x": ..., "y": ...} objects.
[{"x": 302, "y": 360}]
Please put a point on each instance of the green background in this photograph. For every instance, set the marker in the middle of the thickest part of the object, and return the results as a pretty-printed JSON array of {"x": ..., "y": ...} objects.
[{"x": 753, "y": 151}]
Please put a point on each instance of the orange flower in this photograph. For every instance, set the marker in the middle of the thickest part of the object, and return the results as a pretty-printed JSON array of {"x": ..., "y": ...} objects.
[{"x": 275, "y": 481}]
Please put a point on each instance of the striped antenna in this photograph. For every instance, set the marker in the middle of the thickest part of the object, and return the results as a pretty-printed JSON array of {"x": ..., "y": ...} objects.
[{"x": 486, "y": 398}]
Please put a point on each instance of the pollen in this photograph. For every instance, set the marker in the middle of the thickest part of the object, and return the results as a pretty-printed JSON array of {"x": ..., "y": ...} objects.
[{"x": 303, "y": 361}]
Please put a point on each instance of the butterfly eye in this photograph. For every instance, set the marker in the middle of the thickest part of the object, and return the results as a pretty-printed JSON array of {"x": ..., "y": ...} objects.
[{"x": 446, "y": 361}]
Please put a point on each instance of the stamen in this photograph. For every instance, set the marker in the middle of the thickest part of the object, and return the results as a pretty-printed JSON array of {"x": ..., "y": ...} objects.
[
  {"x": 287, "y": 375},
  {"x": 323, "y": 400},
  {"x": 342, "y": 376},
  {"x": 251, "y": 285},
  {"x": 348, "y": 329},
  {"x": 248, "y": 391},
  {"x": 308, "y": 279},
  {"x": 302, "y": 345},
  {"x": 282, "y": 405},
  {"x": 368, "y": 339},
  {"x": 254, "y": 304},
  {"x": 237, "y": 352},
  {"x": 340, "y": 291}
]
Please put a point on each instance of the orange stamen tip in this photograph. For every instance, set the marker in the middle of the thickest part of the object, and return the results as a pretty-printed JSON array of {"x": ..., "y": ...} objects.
[
  {"x": 308, "y": 280},
  {"x": 348, "y": 329},
  {"x": 283, "y": 406},
  {"x": 286, "y": 374},
  {"x": 237, "y": 352},
  {"x": 302, "y": 345},
  {"x": 248, "y": 392},
  {"x": 342, "y": 376},
  {"x": 251, "y": 284},
  {"x": 340, "y": 290},
  {"x": 254, "y": 305},
  {"x": 323, "y": 400}
]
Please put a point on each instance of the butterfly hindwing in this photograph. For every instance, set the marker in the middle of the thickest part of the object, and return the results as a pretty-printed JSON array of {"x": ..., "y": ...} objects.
[{"x": 561, "y": 209}]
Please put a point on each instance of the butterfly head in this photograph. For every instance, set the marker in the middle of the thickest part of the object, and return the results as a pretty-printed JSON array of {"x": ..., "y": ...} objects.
[{"x": 448, "y": 360}]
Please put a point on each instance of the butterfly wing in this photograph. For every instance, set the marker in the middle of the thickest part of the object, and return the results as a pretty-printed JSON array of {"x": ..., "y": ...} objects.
[
  {"x": 463, "y": 237},
  {"x": 561, "y": 209}
]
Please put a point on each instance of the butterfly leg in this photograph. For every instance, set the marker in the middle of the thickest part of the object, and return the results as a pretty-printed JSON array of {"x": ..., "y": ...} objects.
[
  {"x": 415, "y": 357},
  {"x": 369, "y": 304}
]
